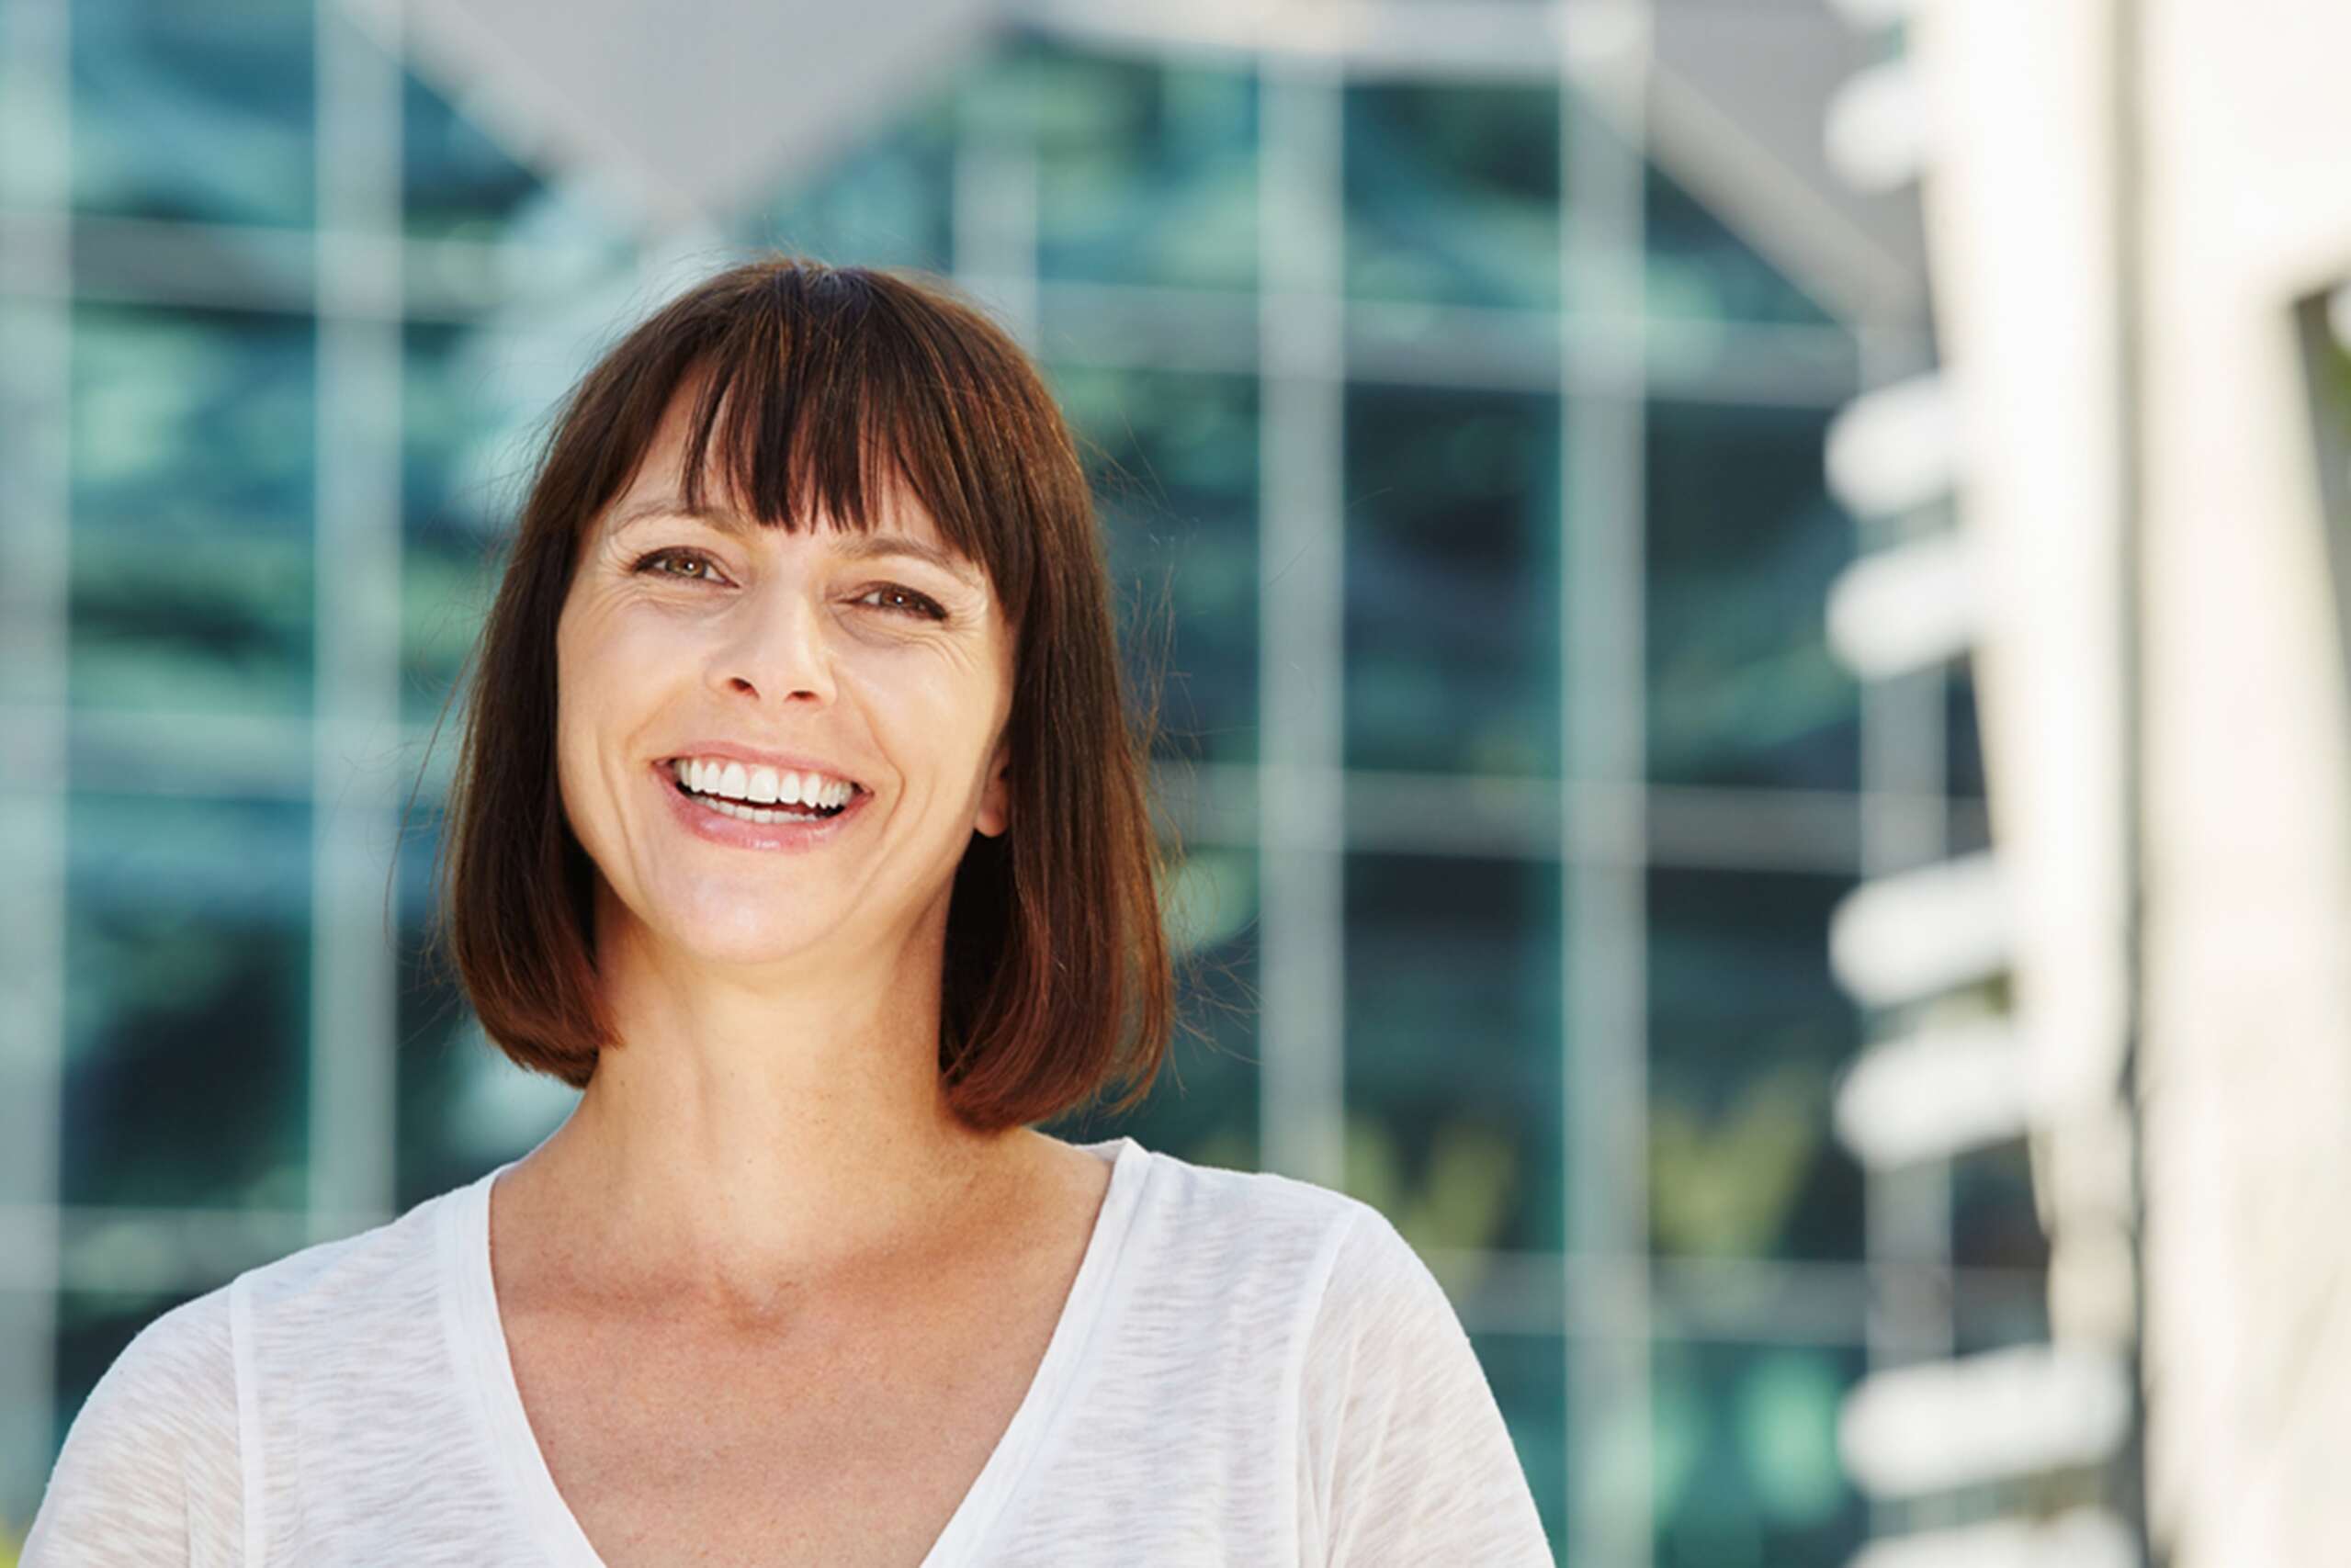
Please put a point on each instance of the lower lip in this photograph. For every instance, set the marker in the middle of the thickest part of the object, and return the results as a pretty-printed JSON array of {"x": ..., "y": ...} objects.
[{"x": 788, "y": 838}]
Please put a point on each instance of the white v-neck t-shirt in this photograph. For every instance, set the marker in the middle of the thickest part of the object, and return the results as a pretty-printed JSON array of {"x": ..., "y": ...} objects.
[{"x": 1250, "y": 1369}]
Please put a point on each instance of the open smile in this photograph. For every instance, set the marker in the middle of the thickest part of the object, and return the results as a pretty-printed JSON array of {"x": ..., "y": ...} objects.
[{"x": 747, "y": 826}]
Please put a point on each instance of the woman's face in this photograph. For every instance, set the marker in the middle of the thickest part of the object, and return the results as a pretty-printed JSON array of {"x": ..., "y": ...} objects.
[{"x": 892, "y": 672}]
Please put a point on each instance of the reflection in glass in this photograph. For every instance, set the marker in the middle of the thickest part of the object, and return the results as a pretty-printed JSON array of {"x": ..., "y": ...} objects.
[
  {"x": 456, "y": 179},
  {"x": 1747, "y": 1029},
  {"x": 459, "y": 182},
  {"x": 193, "y": 451},
  {"x": 1995, "y": 1223},
  {"x": 1146, "y": 170},
  {"x": 1963, "y": 734},
  {"x": 886, "y": 200},
  {"x": 1453, "y": 1059},
  {"x": 453, "y": 518},
  {"x": 188, "y": 946},
  {"x": 1452, "y": 194},
  {"x": 1698, "y": 267},
  {"x": 1747, "y": 1469},
  {"x": 1743, "y": 544},
  {"x": 1451, "y": 581},
  {"x": 1172, "y": 460},
  {"x": 194, "y": 110}
]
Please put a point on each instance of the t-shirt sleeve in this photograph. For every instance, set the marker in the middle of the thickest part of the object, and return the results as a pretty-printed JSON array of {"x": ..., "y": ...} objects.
[
  {"x": 149, "y": 1472},
  {"x": 1407, "y": 1456}
]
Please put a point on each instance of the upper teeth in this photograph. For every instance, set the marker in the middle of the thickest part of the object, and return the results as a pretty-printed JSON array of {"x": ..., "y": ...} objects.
[{"x": 715, "y": 775}]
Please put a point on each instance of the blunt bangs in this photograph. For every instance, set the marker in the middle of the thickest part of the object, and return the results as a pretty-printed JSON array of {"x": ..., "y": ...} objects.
[{"x": 822, "y": 393}]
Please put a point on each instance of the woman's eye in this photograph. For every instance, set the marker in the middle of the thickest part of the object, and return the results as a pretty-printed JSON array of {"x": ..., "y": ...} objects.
[
  {"x": 913, "y": 602},
  {"x": 652, "y": 563},
  {"x": 921, "y": 604}
]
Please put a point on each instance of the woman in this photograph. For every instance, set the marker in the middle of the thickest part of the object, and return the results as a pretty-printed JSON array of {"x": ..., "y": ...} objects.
[{"x": 800, "y": 826}]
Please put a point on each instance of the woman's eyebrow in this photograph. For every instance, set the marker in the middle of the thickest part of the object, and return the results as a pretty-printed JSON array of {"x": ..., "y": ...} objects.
[
  {"x": 856, "y": 547},
  {"x": 866, "y": 546}
]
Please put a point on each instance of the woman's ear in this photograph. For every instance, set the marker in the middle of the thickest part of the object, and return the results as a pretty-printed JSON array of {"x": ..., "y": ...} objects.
[{"x": 995, "y": 800}]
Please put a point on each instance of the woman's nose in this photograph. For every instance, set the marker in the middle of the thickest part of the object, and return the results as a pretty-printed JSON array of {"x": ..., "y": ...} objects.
[{"x": 778, "y": 645}]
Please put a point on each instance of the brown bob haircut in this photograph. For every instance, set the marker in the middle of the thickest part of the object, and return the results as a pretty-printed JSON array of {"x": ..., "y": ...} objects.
[{"x": 1058, "y": 973}]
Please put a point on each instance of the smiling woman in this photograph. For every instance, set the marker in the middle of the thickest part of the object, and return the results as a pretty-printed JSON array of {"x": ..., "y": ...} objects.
[
  {"x": 764, "y": 447},
  {"x": 802, "y": 825}
]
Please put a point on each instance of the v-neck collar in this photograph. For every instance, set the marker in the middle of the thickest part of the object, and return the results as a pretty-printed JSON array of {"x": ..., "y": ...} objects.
[{"x": 478, "y": 1340}]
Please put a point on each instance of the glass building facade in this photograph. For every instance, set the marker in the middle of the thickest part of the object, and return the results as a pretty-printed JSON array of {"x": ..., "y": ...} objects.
[{"x": 1461, "y": 472}]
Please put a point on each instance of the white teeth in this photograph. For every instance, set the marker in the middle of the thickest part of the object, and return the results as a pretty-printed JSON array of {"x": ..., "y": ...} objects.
[
  {"x": 753, "y": 814},
  {"x": 781, "y": 787}
]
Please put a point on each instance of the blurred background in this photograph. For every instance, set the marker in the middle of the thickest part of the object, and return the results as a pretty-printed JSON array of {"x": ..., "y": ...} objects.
[{"x": 1599, "y": 569}]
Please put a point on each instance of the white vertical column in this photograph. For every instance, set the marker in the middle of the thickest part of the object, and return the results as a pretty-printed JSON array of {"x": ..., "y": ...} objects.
[
  {"x": 355, "y": 787},
  {"x": 36, "y": 373},
  {"x": 1904, "y": 825},
  {"x": 1301, "y": 634},
  {"x": 994, "y": 221},
  {"x": 1603, "y": 382}
]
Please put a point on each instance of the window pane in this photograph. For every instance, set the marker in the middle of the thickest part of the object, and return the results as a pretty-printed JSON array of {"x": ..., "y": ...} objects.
[
  {"x": 196, "y": 109},
  {"x": 1452, "y": 194},
  {"x": 459, "y": 182},
  {"x": 1995, "y": 1223},
  {"x": 450, "y": 516},
  {"x": 1743, "y": 545},
  {"x": 1146, "y": 170},
  {"x": 1454, "y": 1058},
  {"x": 885, "y": 201},
  {"x": 1748, "y": 1473},
  {"x": 193, "y": 445},
  {"x": 1172, "y": 460},
  {"x": 1452, "y": 581},
  {"x": 1963, "y": 734},
  {"x": 188, "y": 948},
  {"x": 1747, "y": 1030},
  {"x": 1696, "y": 267}
]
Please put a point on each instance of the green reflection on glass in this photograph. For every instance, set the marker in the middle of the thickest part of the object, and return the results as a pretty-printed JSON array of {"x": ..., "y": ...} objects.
[
  {"x": 1695, "y": 266},
  {"x": 186, "y": 1000},
  {"x": 1452, "y": 194},
  {"x": 192, "y": 469},
  {"x": 1743, "y": 544},
  {"x": 1453, "y": 1059},
  {"x": 196, "y": 109},
  {"x": 1451, "y": 581},
  {"x": 1146, "y": 171},
  {"x": 885, "y": 201},
  {"x": 1746, "y": 1027},
  {"x": 1788, "y": 1405},
  {"x": 1172, "y": 460}
]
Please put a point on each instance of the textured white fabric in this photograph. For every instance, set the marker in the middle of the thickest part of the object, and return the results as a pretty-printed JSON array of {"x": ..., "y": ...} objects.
[{"x": 1251, "y": 1370}]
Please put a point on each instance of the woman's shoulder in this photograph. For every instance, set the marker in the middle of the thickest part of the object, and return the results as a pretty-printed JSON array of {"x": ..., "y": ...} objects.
[
  {"x": 393, "y": 1257},
  {"x": 150, "y": 1466},
  {"x": 187, "y": 1350},
  {"x": 199, "y": 1349},
  {"x": 1238, "y": 1227}
]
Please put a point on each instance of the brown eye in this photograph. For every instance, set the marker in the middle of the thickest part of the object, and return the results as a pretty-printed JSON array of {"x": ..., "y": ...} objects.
[
  {"x": 649, "y": 564},
  {"x": 918, "y": 603}
]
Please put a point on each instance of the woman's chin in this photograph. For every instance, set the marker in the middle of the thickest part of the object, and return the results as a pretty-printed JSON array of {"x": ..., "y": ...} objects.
[{"x": 769, "y": 928}]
